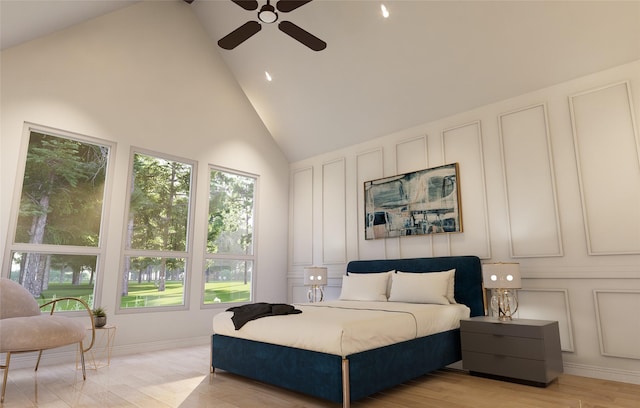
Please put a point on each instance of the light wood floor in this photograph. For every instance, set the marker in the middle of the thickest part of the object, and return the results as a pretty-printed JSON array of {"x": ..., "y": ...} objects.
[{"x": 180, "y": 378}]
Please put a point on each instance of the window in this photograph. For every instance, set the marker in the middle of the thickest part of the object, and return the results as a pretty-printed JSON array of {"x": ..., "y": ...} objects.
[
  {"x": 230, "y": 258},
  {"x": 58, "y": 221},
  {"x": 157, "y": 247}
]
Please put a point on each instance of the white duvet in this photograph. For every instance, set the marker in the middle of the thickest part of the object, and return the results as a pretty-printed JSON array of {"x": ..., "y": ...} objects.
[{"x": 347, "y": 327}]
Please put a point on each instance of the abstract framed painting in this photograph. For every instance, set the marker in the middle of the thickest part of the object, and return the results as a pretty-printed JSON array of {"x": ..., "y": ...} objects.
[{"x": 418, "y": 203}]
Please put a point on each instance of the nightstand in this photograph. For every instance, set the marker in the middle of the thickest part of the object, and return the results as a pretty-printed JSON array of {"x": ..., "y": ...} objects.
[{"x": 520, "y": 350}]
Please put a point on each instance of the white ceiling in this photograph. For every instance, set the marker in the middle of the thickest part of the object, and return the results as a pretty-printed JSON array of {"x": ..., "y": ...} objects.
[{"x": 428, "y": 60}]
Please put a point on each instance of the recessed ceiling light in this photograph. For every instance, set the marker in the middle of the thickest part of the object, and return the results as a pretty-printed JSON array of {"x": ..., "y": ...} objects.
[
  {"x": 268, "y": 76},
  {"x": 385, "y": 12}
]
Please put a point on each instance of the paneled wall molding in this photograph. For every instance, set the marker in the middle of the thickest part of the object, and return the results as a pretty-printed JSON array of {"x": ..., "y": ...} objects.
[
  {"x": 618, "y": 340},
  {"x": 412, "y": 155},
  {"x": 605, "y": 132},
  {"x": 463, "y": 144},
  {"x": 475, "y": 124},
  {"x": 533, "y": 219},
  {"x": 301, "y": 224},
  {"x": 626, "y": 85},
  {"x": 374, "y": 150},
  {"x": 548, "y": 304},
  {"x": 334, "y": 215},
  {"x": 369, "y": 166},
  {"x": 580, "y": 272},
  {"x": 581, "y": 275}
]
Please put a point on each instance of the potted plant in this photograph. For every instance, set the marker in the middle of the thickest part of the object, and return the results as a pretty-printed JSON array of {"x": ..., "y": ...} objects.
[{"x": 99, "y": 317}]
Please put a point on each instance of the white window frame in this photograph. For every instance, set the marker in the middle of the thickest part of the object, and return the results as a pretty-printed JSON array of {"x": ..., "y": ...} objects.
[
  {"x": 100, "y": 249},
  {"x": 187, "y": 255},
  {"x": 232, "y": 257}
]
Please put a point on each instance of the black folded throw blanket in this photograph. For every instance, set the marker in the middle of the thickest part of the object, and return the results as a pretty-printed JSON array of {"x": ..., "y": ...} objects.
[{"x": 245, "y": 313}]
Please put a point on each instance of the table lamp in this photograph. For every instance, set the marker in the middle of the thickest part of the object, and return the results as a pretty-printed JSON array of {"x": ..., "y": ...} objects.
[
  {"x": 503, "y": 279},
  {"x": 316, "y": 277}
]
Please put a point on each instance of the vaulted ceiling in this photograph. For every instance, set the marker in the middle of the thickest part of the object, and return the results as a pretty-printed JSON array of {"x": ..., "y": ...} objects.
[{"x": 427, "y": 60}]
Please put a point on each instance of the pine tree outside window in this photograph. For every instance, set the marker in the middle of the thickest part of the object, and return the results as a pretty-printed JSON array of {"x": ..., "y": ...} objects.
[
  {"x": 230, "y": 254},
  {"x": 57, "y": 248},
  {"x": 157, "y": 234}
]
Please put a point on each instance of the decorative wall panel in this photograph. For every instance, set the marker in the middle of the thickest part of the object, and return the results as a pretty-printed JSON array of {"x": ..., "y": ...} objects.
[
  {"x": 302, "y": 216},
  {"x": 608, "y": 158},
  {"x": 334, "y": 217},
  {"x": 548, "y": 304},
  {"x": 463, "y": 144},
  {"x": 411, "y": 155},
  {"x": 618, "y": 340},
  {"x": 369, "y": 166},
  {"x": 529, "y": 181}
]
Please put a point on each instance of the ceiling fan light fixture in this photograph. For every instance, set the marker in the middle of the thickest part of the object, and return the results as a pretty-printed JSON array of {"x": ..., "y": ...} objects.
[{"x": 267, "y": 14}]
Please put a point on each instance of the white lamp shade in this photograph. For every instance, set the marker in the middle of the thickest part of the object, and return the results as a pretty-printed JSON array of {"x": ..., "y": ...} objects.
[
  {"x": 315, "y": 275},
  {"x": 501, "y": 275}
]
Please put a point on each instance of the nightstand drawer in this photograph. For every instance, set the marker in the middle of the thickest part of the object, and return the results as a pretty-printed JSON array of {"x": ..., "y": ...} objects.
[
  {"x": 520, "y": 368},
  {"x": 520, "y": 327},
  {"x": 523, "y": 347}
]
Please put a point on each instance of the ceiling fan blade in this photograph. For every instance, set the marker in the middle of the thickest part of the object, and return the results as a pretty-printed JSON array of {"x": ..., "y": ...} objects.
[
  {"x": 240, "y": 34},
  {"x": 247, "y": 4},
  {"x": 289, "y": 5},
  {"x": 303, "y": 36}
]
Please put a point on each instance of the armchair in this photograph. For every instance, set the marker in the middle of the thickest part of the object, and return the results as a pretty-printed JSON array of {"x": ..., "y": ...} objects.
[{"x": 23, "y": 328}]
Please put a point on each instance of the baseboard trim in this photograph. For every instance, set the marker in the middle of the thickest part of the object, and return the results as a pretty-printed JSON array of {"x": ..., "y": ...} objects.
[
  {"x": 65, "y": 355},
  {"x": 603, "y": 373},
  {"x": 583, "y": 370}
]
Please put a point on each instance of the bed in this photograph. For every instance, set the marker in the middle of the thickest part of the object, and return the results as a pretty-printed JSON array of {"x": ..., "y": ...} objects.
[{"x": 348, "y": 374}]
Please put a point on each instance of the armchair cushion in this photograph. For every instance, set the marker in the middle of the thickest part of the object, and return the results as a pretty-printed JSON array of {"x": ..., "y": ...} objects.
[
  {"x": 24, "y": 328},
  {"x": 39, "y": 333}
]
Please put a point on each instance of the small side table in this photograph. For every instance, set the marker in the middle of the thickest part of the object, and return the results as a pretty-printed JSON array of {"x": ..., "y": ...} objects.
[{"x": 100, "y": 354}]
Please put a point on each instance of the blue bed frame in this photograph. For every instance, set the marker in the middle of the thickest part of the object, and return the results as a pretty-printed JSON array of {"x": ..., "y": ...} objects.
[{"x": 358, "y": 375}]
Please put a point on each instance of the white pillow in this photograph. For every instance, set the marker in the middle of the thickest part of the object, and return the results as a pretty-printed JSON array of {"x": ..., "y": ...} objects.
[
  {"x": 452, "y": 286},
  {"x": 388, "y": 274},
  {"x": 368, "y": 286},
  {"x": 431, "y": 287}
]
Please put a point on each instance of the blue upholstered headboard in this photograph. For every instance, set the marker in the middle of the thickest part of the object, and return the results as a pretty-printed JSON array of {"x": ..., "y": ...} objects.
[{"x": 468, "y": 278}]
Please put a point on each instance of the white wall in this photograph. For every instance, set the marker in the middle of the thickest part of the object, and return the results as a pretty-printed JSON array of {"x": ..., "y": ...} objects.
[
  {"x": 148, "y": 76},
  {"x": 571, "y": 221}
]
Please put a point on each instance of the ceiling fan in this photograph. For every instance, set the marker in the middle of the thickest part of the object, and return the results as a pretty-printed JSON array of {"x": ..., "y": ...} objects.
[{"x": 268, "y": 15}]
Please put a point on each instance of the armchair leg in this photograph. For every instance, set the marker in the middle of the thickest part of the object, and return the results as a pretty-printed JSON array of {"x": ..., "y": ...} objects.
[
  {"x": 38, "y": 361},
  {"x": 84, "y": 371},
  {"x": 6, "y": 373}
]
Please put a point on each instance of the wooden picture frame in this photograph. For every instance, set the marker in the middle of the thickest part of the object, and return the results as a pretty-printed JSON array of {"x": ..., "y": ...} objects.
[{"x": 418, "y": 203}]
